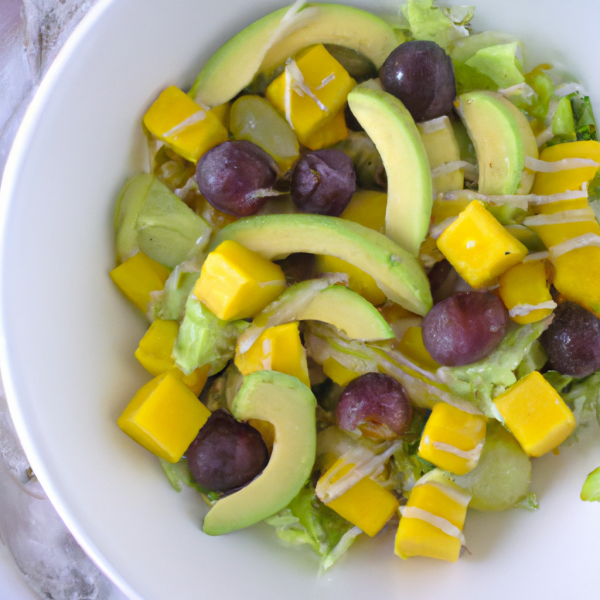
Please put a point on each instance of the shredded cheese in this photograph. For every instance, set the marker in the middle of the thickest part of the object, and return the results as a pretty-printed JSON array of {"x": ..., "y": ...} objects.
[
  {"x": 412, "y": 512},
  {"x": 569, "y": 88},
  {"x": 299, "y": 85},
  {"x": 437, "y": 230},
  {"x": 537, "y": 256},
  {"x": 470, "y": 455},
  {"x": 566, "y": 164},
  {"x": 587, "y": 239},
  {"x": 449, "y": 167},
  {"x": 198, "y": 116},
  {"x": 434, "y": 125},
  {"x": 326, "y": 81},
  {"x": 455, "y": 495},
  {"x": 521, "y": 310},
  {"x": 560, "y": 218}
]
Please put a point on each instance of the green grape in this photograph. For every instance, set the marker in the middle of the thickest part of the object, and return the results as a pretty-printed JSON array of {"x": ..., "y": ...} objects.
[
  {"x": 503, "y": 474},
  {"x": 257, "y": 121}
]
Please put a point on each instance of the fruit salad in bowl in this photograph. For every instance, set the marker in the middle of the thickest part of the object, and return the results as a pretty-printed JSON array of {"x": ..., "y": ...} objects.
[{"x": 368, "y": 254}]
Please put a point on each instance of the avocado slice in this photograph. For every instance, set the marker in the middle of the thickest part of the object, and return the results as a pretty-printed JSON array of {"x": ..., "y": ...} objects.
[
  {"x": 498, "y": 140},
  {"x": 410, "y": 193},
  {"x": 151, "y": 218},
  {"x": 398, "y": 274},
  {"x": 289, "y": 406},
  {"x": 272, "y": 40}
]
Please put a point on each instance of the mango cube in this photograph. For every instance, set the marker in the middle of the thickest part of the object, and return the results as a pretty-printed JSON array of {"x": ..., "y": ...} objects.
[
  {"x": 563, "y": 181},
  {"x": 138, "y": 276},
  {"x": 183, "y": 125},
  {"x": 337, "y": 372},
  {"x": 154, "y": 353},
  {"x": 412, "y": 346},
  {"x": 277, "y": 348},
  {"x": 236, "y": 283},
  {"x": 433, "y": 520},
  {"x": 478, "y": 247},
  {"x": 358, "y": 281},
  {"x": 535, "y": 414},
  {"x": 577, "y": 277},
  {"x": 367, "y": 208},
  {"x": 222, "y": 112},
  {"x": 446, "y": 209},
  {"x": 553, "y": 234},
  {"x": 164, "y": 417},
  {"x": 453, "y": 439},
  {"x": 366, "y": 504},
  {"x": 526, "y": 283},
  {"x": 333, "y": 132},
  {"x": 329, "y": 85}
]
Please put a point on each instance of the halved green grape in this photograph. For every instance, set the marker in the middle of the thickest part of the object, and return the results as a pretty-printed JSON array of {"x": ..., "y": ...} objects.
[
  {"x": 256, "y": 120},
  {"x": 503, "y": 474}
]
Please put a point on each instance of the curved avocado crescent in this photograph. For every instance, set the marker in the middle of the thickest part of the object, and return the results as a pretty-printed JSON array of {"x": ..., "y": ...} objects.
[
  {"x": 397, "y": 272},
  {"x": 271, "y": 40},
  {"x": 290, "y": 407}
]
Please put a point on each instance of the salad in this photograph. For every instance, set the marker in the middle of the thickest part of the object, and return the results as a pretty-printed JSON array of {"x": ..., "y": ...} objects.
[{"x": 368, "y": 252}]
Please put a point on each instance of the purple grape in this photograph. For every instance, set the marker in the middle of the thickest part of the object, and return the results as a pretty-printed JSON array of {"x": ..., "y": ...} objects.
[
  {"x": 232, "y": 174},
  {"x": 376, "y": 404},
  {"x": 298, "y": 267},
  {"x": 420, "y": 74},
  {"x": 572, "y": 342},
  {"x": 323, "y": 182},
  {"x": 226, "y": 454},
  {"x": 442, "y": 279},
  {"x": 464, "y": 328}
]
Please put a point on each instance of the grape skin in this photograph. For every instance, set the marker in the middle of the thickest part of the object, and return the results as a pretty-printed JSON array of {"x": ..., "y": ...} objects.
[
  {"x": 572, "y": 341},
  {"x": 231, "y": 176},
  {"x": 464, "y": 328},
  {"x": 226, "y": 454},
  {"x": 376, "y": 404},
  {"x": 420, "y": 74}
]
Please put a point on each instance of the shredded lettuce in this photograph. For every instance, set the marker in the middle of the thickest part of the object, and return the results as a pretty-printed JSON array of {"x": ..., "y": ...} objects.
[
  {"x": 169, "y": 303},
  {"x": 503, "y": 64},
  {"x": 464, "y": 48},
  {"x": 583, "y": 397},
  {"x": 204, "y": 338},
  {"x": 179, "y": 473},
  {"x": 426, "y": 21},
  {"x": 590, "y": 492},
  {"x": 528, "y": 502},
  {"x": 558, "y": 381},
  {"x": 534, "y": 360},
  {"x": 469, "y": 79},
  {"x": 542, "y": 85},
  {"x": 480, "y": 382},
  {"x": 585, "y": 123},
  {"x": 308, "y": 521}
]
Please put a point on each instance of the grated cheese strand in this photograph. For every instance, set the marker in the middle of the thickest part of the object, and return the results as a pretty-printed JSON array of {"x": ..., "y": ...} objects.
[
  {"x": 412, "y": 512},
  {"x": 566, "y": 164},
  {"x": 587, "y": 239},
  {"x": 436, "y": 231},
  {"x": 449, "y": 167},
  {"x": 521, "y": 310},
  {"x": 470, "y": 455},
  {"x": 198, "y": 116},
  {"x": 569, "y": 88},
  {"x": 300, "y": 86},
  {"x": 537, "y": 256},
  {"x": 566, "y": 216},
  {"x": 434, "y": 125}
]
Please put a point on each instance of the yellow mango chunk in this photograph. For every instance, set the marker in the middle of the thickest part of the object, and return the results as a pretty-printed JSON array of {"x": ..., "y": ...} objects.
[
  {"x": 329, "y": 84},
  {"x": 535, "y": 414},
  {"x": 419, "y": 532},
  {"x": 138, "y": 276},
  {"x": 452, "y": 439},
  {"x": 412, "y": 346},
  {"x": 366, "y": 504},
  {"x": 337, "y": 372},
  {"x": 277, "y": 348},
  {"x": 478, "y": 247},
  {"x": 236, "y": 283},
  {"x": 266, "y": 430},
  {"x": 154, "y": 354},
  {"x": 445, "y": 209},
  {"x": 222, "y": 113},
  {"x": 183, "y": 126},
  {"x": 563, "y": 181},
  {"x": 164, "y": 417},
  {"x": 331, "y": 133},
  {"x": 367, "y": 208},
  {"x": 561, "y": 232},
  {"x": 358, "y": 281},
  {"x": 526, "y": 283},
  {"x": 577, "y": 277}
]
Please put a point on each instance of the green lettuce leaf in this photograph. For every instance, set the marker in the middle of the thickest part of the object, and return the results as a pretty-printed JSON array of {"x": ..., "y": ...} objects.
[
  {"x": 308, "y": 521},
  {"x": 469, "y": 79},
  {"x": 590, "y": 492},
  {"x": 179, "y": 473},
  {"x": 543, "y": 87},
  {"x": 534, "y": 360},
  {"x": 528, "y": 502},
  {"x": 429, "y": 22},
  {"x": 480, "y": 382},
  {"x": 503, "y": 64},
  {"x": 557, "y": 380},
  {"x": 169, "y": 303},
  {"x": 583, "y": 397},
  {"x": 204, "y": 338},
  {"x": 585, "y": 123}
]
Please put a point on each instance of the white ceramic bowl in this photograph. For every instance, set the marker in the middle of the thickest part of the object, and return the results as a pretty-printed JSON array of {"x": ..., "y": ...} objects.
[{"x": 69, "y": 337}]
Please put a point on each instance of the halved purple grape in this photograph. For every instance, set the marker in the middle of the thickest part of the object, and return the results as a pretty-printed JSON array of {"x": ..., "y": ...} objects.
[
  {"x": 420, "y": 74},
  {"x": 442, "y": 278},
  {"x": 226, "y": 454},
  {"x": 572, "y": 342},
  {"x": 376, "y": 404},
  {"x": 323, "y": 182},
  {"x": 464, "y": 328},
  {"x": 232, "y": 176}
]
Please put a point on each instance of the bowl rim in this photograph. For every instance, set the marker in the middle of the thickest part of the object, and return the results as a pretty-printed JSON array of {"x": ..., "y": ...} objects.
[{"x": 8, "y": 183}]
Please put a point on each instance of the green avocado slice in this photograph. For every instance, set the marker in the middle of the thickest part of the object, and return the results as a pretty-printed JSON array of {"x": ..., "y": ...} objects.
[
  {"x": 498, "y": 140},
  {"x": 274, "y": 38},
  {"x": 397, "y": 273},
  {"x": 410, "y": 192},
  {"x": 290, "y": 407}
]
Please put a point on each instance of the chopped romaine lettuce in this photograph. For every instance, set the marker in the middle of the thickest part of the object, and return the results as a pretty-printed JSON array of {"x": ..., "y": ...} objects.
[
  {"x": 563, "y": 123},
  {"x": 528, "y": 502},
  {"x": 169, "y": 303},
  {"x": 480, "y": 382},
  {"x": 558, "y": 381},
  {"x": 585, "y": 123},
  {"x": 204, "y": 338},
  {"x": 590, "y": 492},
  {"x": 429, "y": 22},
  {"x": 503, "y": 64},
  {"x": 469, "y": 79},
  {"x": 179, "y": 472},
  {"x": 543, "y": 87},
  {"x": 583, "y": 397},
  {"x": 308, "y": 521},
  {"x": 534, "y": 360},
  {"x": 464, "y": 48}
]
